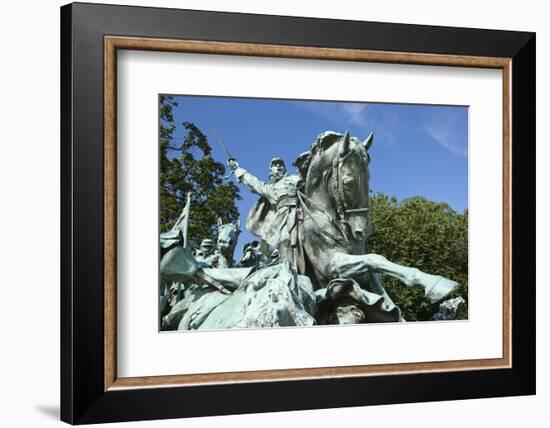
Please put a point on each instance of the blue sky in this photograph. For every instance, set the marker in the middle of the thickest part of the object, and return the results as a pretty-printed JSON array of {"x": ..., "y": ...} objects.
[{"x": 417, "y": 150}]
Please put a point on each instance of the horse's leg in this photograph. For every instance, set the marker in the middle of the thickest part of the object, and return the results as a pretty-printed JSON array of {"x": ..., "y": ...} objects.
[{"x": 351, "y": 266}]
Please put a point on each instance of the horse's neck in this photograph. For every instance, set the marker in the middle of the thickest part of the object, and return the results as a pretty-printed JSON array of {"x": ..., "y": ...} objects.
[
  {"x": 323, "y": 222},
  {"x": 323, "y": 239},
  {"x": 327, "y": 227},
  {"x": 226, "y": 260}
]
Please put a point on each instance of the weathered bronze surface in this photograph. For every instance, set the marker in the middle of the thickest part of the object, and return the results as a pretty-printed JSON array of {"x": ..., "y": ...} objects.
[{"x": 319, "y": 222}]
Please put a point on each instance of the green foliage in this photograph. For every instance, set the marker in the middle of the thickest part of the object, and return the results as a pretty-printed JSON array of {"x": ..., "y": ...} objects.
[
  {"x": 266, "y": 249},
  {"x": 186, "y": 165},
  {"x": 421, "y": 233}
]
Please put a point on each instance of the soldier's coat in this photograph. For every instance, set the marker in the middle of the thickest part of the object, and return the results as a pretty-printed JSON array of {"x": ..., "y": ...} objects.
[{"x": 264, "y": 219}]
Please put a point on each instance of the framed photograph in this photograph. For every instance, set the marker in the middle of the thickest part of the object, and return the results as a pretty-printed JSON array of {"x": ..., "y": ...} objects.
[{"x": 273, "y": 213}]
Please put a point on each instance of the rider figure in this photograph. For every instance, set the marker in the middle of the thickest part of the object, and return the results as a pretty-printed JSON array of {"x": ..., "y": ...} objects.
[{"x": 274, "y": 217}]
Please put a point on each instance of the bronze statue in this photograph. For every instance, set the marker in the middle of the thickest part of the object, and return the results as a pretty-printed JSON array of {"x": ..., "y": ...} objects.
[
  {"x": 274, "y": 217},
  {"x": 319, "y": 221}
]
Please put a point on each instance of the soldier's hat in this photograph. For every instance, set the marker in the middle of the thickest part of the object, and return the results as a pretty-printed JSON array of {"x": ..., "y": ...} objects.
[
  {"x": 255, "y": 245},
  {"x": 277, "y": 160}
]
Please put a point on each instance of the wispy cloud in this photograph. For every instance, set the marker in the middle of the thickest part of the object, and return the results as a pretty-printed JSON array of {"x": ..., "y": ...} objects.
[
  {"x": 396, "y": 122},
  {"x": 445, "y": 129},
  {"x": 347, "y": 113},
  {"x": 359, "y": 116},
  {"x": 356, "y": 113}
]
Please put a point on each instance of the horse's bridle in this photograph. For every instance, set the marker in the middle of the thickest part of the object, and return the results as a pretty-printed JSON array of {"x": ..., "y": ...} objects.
[
  {"x": 341, "y": 209},
  {"x": 341, "y": 223}
]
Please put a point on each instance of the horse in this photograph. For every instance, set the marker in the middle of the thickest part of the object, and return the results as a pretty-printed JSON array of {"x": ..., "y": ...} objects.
[
  {"x": 222, "y": 257},
  {"x": 334, "y": 227},
  {"x": 228, "y": 234},
  {"x": 337, "y": 223}
]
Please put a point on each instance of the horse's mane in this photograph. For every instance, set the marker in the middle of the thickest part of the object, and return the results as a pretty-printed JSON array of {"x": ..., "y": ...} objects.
[{"x": 324, "y": 141}]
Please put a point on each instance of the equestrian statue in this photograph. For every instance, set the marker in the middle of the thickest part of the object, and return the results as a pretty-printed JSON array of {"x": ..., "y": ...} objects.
[{"x": 319, "y": 223}]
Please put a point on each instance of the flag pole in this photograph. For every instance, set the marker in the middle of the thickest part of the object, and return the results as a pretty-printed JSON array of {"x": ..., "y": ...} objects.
[{"x": 185, "y": 230}]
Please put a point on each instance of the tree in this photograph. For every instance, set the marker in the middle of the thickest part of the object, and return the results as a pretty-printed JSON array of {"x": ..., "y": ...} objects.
[
  {"x": 186, "y": 165},
  {"x": 421, "y": 233}
]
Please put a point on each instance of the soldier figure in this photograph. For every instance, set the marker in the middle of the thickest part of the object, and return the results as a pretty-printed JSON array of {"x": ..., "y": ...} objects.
[
  {"x": 275, "y": 216},
  {"x": 253, "y": 255},
  {"x": 204, "y": 252}
]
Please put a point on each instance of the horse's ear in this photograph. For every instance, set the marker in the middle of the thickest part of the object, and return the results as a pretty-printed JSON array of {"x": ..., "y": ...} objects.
[
  {"x": 238, "y": 224},
  {"x": 220, "y": 223},
  {"x": 344, "y": 145},
  {"x": 368, "y": 142}
]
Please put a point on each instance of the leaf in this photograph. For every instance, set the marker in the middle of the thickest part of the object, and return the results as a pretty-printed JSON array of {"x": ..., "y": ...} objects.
[
  {"x": 421, "y": 233},
  {"x": 186, "y": 165}
]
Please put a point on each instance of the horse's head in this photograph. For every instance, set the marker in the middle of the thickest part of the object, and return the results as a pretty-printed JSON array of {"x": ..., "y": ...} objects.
[
  {"x": 336, "y": 171},
  {"x": 227, "y": 236}
]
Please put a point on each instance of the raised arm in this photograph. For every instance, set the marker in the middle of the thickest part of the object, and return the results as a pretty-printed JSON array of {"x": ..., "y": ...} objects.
[{"x": 254, "y": 184}]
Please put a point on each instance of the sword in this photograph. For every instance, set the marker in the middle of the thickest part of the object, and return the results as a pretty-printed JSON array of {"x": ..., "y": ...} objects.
[{"x": 229, "y": 157}]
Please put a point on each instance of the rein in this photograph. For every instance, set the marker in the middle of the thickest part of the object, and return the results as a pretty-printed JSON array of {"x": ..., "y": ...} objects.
[
  {"x": 338, "y": 191},
  {"x": 340, "y": 221},
  {"x": 303, "y": 198}
]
